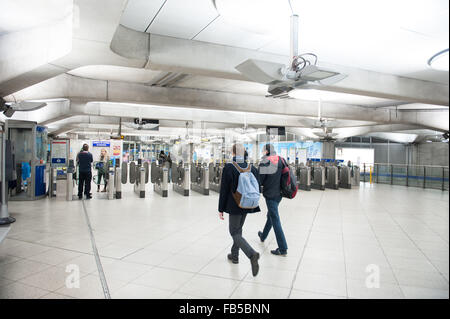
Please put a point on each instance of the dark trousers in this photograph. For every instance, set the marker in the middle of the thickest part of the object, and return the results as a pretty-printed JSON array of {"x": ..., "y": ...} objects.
[
  {"x": 99, "y": 178},
  {"x": 273, "y": 220},
  {"x": 236, "y": 224},
  {"x": 84, "y": 181}
]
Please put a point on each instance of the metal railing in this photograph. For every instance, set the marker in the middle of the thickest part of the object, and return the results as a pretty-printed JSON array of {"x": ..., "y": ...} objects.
[{"x": 424, "y": 176}]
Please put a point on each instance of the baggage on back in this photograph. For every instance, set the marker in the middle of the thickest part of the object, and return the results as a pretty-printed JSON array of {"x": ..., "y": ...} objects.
[
  {"x": 289, "y": 185},
  {"x": 247, "y": 193}
]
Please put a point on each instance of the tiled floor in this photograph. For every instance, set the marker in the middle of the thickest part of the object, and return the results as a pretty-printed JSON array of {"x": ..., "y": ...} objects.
[{"x": 176, "y": 247}]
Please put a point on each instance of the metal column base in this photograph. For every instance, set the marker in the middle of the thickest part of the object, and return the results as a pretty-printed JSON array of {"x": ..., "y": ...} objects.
[
  {"x": 319, "y": 187},
  {"x": 138, "y": 191},
  {"x": 197, "y": 188},
  {"x": 158, "y": 189},
  {"x": 180, "y": 190},
  {"x": 304, "y": 187},
  {"x": 348, "y": 186},
  {"x": 332, "y": 186},
  {"x": 214, "y": 187},
  {"x": 118, "y": 195},
  {"x": 7, "y": 220}
]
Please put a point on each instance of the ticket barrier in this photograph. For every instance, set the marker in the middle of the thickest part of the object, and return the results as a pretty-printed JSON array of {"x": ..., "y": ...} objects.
[
  {"x": 180, "y": 178},
  {"x": 332, "y": 177},
  {"x": 139, "y": 177},
  {"x": 345, "y": 177},
  {"x": 318, "y": 177},
  {"x": 160, "y": 179},
  {"x": 215, "y": 176},
  {"x": 356, "y": 176},
  {"x": 200, "y": 178},
  {"x": 304, "y": 177}
]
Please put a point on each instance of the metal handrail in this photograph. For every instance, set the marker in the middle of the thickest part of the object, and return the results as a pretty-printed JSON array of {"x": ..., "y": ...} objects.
[{"x": 390, "y": 164}]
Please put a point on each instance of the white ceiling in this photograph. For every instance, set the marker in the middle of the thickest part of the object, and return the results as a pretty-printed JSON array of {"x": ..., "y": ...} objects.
[{"x": 395, "y": 37}]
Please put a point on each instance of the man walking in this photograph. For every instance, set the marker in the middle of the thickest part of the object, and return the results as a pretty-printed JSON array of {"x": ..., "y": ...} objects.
[
  {"x": 84, "y": 160},
  {"x": 228, "y": 203},
  {"x": 270, "y": 170}
]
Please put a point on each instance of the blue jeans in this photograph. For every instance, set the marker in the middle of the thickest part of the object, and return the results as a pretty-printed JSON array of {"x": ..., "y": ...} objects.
[{"x": 273, "y": 220}]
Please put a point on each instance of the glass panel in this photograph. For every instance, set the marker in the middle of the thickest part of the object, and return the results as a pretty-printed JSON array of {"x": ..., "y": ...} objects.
[
  {"x": 399, "y": 177},
  {"x": 384, "y": 174},
  {"x": 415, "y": 176}
]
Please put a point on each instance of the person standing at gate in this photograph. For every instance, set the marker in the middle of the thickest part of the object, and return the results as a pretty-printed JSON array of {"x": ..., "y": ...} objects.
[
  {"x": 102, "y": 169},
  {"x": 84, "y": 161}
]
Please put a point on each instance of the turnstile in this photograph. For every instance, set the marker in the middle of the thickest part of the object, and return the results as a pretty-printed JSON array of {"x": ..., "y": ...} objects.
[
  {"x": 304, "y": 177},
  {"x": 355, "y": 173},
  {"x": 160, "y": 179},
  {"x": 332, "y": 177},
  {"x": 180, "y": 179},
  {"x": 200, "y": 178},
  {"x": 215, "y": 176},
  {"x": 318, "y": 177},
  {"x": 345, "y": 177},
  {"x": 139, "y": 177}
]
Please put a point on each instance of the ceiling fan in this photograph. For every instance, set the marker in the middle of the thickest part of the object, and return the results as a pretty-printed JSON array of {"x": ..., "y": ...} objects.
[
  {"x": 143, "y": 124},
  {"x": 302, "y": 70},
  {"x": 322, "y": 127},
  {"x": 9, "y": 109}
]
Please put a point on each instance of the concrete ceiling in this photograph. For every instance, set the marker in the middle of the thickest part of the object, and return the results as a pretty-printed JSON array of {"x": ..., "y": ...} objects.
[
  {"x": 394, "y": 37},
  {"x": 179, "y": 63}
]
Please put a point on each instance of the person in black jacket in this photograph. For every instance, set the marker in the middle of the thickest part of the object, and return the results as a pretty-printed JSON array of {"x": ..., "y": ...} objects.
[
  {"x": 84, "y": 160},
  {"x": 237, "y": 215},
  {"x": 270, "y": 177}
]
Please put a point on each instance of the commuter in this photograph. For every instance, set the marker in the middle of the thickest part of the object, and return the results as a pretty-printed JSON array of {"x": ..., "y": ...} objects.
[
  {"x": 169, "y": 167},
  {"x": 228, "y": 203},
  {"x": 270, "y": 170},
  {"x": 102, "y": 169},
  {"x": 162, "y": 158},
  {"x": 84, "y": 161}
]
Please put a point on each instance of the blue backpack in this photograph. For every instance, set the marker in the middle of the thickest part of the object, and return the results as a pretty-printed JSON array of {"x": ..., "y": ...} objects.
[{"x": 247, "y": 193}]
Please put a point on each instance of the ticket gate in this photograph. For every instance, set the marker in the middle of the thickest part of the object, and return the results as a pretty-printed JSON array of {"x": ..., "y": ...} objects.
[
  {"x": 215, "y": 176},
  {"x": 139, "y": 177},
  {"x": 160, "y": 179},
  {"x": 200, "y": 178},
  {"x": 180, "y": 178},
  {"x": 345, "y": 177},
  {"x": 304, "y": 177},
  {"x": 318, "y": 177},
  {"x": 356, "y": 176},
  {"x": 332, "y": 177}
]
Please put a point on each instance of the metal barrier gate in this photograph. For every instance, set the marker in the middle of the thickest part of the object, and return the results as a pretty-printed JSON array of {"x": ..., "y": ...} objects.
[
  {"x": 318, "y": 177},
  {"x": 180, "y": 178},
  {"x": 160, "y": 179},
  {"x": 215, "y": 176},
  {"x": 332, "y": 177},
  {"x": 200, "y": 179}
]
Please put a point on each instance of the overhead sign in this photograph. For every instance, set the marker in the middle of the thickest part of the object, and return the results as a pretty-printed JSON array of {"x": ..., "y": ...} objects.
[{"x": 101, "y": 144}]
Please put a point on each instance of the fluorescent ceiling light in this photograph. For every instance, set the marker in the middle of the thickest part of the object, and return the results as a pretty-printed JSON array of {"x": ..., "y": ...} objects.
[{"x": 439, "y": 61}]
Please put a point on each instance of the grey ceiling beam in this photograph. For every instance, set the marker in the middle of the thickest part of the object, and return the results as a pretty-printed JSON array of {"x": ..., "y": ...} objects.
[{"x": 208, "y": 59}]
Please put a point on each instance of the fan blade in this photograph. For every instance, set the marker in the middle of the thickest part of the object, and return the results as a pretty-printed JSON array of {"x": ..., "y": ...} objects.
[
  {"x": 25, "y": 106},
  {"x": 309, "y": 122}
]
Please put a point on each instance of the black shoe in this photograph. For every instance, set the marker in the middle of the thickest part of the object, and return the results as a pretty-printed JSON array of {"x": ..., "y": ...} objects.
[
  {"x": 88, "y": 196},
  {"x": 233, "y": 260},
  {"x": 260, "y": 236},
  {"x": 254, "y": 262},
  {"x": 80, "y": 197},
  {"x": 278, "y": 252}
]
